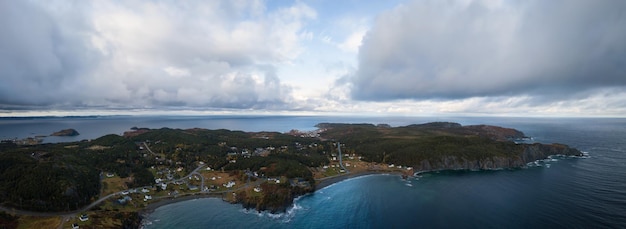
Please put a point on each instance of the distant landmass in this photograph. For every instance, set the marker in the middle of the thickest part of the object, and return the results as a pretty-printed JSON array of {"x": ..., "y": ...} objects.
[
  {"x": 261, "y": 170},
  {"x": 66, "y": 132}
]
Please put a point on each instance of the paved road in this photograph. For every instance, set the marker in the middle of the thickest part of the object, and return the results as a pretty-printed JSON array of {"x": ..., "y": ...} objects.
[
  {"x": 83, "y": 209},
  {"x": 148, "y": 148},
  {"x": 69, "y": 214}
]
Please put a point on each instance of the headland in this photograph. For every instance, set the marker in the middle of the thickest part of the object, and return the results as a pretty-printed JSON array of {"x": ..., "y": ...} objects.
[{"x": 148, "y": 168}]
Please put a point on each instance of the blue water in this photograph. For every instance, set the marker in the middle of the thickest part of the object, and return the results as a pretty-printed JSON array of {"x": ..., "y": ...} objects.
[
  {"x": 94, "y": 127},
  {"x": 563, "y": 193}
]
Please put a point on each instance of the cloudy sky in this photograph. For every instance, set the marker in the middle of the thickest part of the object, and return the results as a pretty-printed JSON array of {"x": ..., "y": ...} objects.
[{"x": 411, "y": 57}]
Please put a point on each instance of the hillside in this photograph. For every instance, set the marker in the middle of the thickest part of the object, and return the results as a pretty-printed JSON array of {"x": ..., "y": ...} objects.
[
  {"x": 441, "y": 145},
  {"x": 67, "y": 176}
]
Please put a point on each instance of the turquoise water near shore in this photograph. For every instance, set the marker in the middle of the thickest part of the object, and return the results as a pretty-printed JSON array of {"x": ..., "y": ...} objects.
[
  {"x": 560, "y": 193},
  {"x": 555, "y": 193}
]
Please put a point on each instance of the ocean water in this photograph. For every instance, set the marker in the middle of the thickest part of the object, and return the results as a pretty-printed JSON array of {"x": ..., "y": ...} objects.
[
  {"x": 97, "y": 126},
  {"x": 558, "y": 193}
]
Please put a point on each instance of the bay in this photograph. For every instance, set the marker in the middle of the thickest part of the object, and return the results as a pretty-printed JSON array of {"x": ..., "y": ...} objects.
[{"x": 561, "y": 193}]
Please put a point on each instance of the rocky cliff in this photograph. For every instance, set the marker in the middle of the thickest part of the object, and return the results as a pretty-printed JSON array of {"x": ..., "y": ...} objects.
[{"x": 530, "y": 153}]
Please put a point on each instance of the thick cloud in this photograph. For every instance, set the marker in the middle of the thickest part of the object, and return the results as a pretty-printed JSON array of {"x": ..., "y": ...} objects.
[
  {"x": 146, "y": 54},
  {"x": 462, "y": 49}
]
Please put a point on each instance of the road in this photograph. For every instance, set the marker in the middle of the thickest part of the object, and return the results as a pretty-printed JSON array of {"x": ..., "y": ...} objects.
[
  {"x": 69, "y": 214},
  {"x": 148, "y": 148},
  {"x": 83, "y": 209}
]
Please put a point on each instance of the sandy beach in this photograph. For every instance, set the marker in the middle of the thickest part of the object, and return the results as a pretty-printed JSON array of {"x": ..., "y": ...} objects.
[
  {"x": 331, "y": 180},
  {"x": 170, "y": 200},
  {"x": 320, "y": 185}
]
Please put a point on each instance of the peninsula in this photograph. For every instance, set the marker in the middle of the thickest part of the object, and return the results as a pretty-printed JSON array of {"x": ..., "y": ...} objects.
[{"x": 114, "y": 177}]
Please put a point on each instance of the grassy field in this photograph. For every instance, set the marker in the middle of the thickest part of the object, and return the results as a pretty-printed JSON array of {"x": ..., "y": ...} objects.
[
  {"x": 112, "y": 185},
  {"x": 39, "y": 222}
]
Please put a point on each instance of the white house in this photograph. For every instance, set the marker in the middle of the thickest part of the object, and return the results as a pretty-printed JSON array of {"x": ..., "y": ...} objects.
[{"x": 230, "y": 184}]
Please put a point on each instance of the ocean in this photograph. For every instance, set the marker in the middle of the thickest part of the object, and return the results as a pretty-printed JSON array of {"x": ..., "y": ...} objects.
[{"x": 554, "y": 193}]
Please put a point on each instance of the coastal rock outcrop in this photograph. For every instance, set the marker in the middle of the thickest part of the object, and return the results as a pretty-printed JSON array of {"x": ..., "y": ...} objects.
[
  {"x": 66, "y": 132},
  {"x": 531, "y": 152}
]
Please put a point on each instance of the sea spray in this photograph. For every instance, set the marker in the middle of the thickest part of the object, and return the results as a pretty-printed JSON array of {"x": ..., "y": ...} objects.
[{"x": 285, "y": 217}]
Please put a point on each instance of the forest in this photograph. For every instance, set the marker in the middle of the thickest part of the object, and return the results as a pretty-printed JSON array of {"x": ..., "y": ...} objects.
[{"x": 67, "y": 176}]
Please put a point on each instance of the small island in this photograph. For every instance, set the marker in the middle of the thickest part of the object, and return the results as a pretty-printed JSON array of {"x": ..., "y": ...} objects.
[
  {"x": 115, "y": 178},
  {"x": 66, "y": 133}
]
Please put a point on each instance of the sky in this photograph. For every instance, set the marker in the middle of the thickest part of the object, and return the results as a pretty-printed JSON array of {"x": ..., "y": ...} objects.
[{"x": 396, "y": 57}]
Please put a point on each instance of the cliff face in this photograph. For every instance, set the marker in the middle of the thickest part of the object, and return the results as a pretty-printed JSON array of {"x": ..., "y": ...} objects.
[{"x": 531, "y": 152}]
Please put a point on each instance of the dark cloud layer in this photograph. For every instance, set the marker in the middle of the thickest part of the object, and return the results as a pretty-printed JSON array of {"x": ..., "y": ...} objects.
[
  {"x": 38, "y": 58},
  {"x": 453, "y": 50},
  {"x": 146, "y": 54}
]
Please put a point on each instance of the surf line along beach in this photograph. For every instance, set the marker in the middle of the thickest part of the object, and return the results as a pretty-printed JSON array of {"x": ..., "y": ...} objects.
[{"x": 321, "y": 183}]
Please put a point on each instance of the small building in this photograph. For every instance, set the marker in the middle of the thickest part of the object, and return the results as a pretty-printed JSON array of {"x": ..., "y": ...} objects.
[
  {"x": 230, "y": 184},
  {"x": 124, "y": 200},
  {"x": 83, "y": 217}
]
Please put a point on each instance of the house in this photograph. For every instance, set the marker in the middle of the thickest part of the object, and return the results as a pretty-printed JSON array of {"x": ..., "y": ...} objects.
[
  {"x": 109, "y": 175},
  {"x": 147, "y": 197},
  {"x": 192, "y": 187},
  {"x": 83, "y": 217},
  {"x": 276, "y": 180},
  {"x": 124, "y": 200},
  {"x": 145, "y": 190},
  {"x": 258, "y": 189},
  {"x": 230, "y": 184},
  {"x": 163, "y": 186},
  {"x": 75, "y": 226}
]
